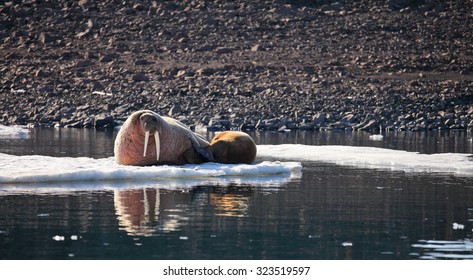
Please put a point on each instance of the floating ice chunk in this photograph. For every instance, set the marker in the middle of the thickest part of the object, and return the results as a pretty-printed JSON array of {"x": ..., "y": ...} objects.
[
  {"x": 456, "y": 226},
  {"x": 370, "y": 157},
  {"x": 14, "y": 131},
  {"x": 58, "y": 238},
  {"x": 376, "y": 137},
  {"x": 24, "y": 169},
  {"x": 387, "y": 253},
  {"x": 347, "y": 244}
]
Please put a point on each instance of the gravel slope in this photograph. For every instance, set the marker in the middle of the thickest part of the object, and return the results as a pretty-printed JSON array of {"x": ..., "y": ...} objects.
[{"x": 268, "y": 65}]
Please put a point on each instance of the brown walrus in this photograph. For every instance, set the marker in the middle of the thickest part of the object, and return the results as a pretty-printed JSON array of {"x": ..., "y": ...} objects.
[
  {"x": 173, "y": 142},
  {"x": 233, "y": 147}
]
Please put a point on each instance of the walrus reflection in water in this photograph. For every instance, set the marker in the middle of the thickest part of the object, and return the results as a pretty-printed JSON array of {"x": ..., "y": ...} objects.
[
  {"x": 144, "y": 212},
  {"x": 150, "y": 211},
  {"x": 173, "y": 142}
]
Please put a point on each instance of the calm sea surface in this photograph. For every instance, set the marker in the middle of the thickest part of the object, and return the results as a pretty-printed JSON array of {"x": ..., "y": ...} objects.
[{"x": 331, "y": 212}]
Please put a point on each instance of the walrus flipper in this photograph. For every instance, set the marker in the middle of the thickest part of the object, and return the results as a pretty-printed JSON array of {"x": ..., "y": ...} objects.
[{"x": 203, "y": 151}]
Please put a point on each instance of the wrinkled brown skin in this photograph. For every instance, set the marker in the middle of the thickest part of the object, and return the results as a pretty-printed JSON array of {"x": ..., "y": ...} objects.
[
  {"x": 176, "y": 146},
  {"x": 233, "y": 147}
]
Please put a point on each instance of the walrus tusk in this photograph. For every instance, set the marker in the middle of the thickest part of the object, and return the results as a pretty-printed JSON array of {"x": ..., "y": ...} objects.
[
  {"x": 146, "y": 143},
  {"x": 158, "y": 144}
]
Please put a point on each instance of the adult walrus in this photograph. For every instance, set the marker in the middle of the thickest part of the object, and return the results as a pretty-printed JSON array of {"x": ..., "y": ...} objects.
[
  {"x": 233, "y": 147},
  {"x": 173, "y": 142}
]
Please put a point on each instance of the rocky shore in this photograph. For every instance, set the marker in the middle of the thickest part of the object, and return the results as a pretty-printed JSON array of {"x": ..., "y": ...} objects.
[{"x": 265, "y": 65}]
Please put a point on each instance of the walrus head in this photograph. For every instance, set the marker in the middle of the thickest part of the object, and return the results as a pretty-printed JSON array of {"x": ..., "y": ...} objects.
[{"x": 151, "y": 124}]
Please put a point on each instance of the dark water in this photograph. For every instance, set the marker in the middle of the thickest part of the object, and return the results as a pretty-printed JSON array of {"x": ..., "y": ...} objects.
[{"x": 331, "y": 212}]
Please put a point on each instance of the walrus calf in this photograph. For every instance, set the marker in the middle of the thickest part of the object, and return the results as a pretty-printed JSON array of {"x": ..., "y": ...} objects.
[
  {"x": 233, "y": 147},
  {"x": 173, "y": 142}
]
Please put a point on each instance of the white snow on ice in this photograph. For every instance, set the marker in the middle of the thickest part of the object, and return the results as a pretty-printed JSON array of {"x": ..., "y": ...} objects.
[
  {"x": 370, "y": 157},
  {"x": 14, "y": 131},
  {"x": 276, "y": 165},
  {"x": 40, "y": 169}
]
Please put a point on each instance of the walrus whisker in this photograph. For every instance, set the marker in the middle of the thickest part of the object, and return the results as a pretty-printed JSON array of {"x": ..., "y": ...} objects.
[
  {"x": 146, "y": 143},
  {"x": 158, "y": 144}
]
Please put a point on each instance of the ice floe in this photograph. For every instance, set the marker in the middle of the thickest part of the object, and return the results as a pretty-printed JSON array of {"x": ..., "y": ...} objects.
[
  {"x": 276, "y": 164},
  {"x": 370, "y": 157},
  {"x": 43, "y": 169},
  {"x": 14, "y": 132}
]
